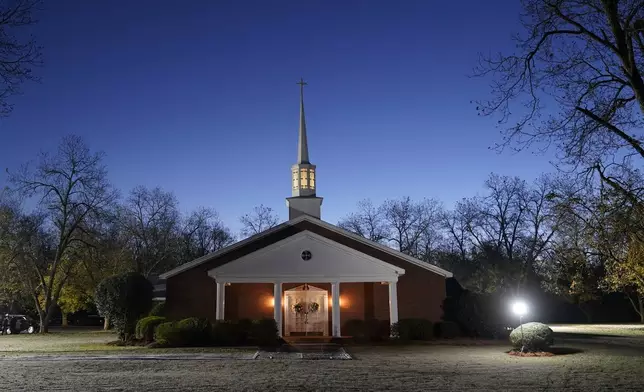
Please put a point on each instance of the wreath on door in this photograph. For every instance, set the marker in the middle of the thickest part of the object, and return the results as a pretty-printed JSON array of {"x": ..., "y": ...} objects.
[{"x": 306, "y": 308}]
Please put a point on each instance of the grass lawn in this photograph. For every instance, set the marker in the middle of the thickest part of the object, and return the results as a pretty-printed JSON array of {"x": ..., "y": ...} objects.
[
  {"x": 84, "y": 341},
  {"x": 455, "y": 366},
  {"x": 398, "y": 368},
  {"x": 619, "y": 330}
]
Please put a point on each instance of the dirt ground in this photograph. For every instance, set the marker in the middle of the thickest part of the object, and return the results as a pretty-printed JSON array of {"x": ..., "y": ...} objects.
[{"x": 414, "y": 368}]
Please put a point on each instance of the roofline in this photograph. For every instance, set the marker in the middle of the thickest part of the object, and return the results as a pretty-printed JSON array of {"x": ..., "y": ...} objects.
[
  {"x": 319, "y": 222},
  {"x": 223, "y": 251},
  {"x": 381, "y": 247},
  {"x": 306, "y": 233}
]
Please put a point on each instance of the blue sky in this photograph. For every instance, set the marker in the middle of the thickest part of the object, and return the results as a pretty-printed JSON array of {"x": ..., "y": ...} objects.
[{"x": 199, "y": 97}]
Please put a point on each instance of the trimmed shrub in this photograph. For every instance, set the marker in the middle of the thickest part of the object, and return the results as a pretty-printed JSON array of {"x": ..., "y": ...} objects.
[
  {"x": 377, "y": 330},
  {"x": 367, "y": 330},
  {"x": 146, "y": 326},
  {"x": 413, "y": 329},
  {"x": 447, "y": 329},
  {"x": 158, "y": 309},
  {"x": 536, "y": 337},
  {"x": 168, "y": 334},
  {"x": 355, "y": 328},
  {"x": 192, "y": 331},
  {"x": 195, "y": 331},
  {"x": 231, "y": 333},
  {"x": 124, "y": 299},
  {"x": 264, "y": 332}
]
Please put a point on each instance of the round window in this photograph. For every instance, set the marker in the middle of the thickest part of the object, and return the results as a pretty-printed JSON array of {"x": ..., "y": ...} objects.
[{"x": 306, "y": 255}]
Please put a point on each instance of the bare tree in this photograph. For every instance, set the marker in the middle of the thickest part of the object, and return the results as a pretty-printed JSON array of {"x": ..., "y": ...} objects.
[
  {"x": 585, "y": 57},
  {"x": 260, "y": 219},
  {"x": 540, "y": 224},
  {"x": 70, "y": 188},
  {"x": 367, "y": 222},
  {"x": 150, "y": 220},
  {"x": 407, "y": 221},
  {"x": 19, "y": 53},
  {"x": 203, "y": 232}
]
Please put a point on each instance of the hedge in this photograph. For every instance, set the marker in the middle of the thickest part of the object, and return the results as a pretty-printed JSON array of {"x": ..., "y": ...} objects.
[
  {"x": 413, "y": 329},
  {"x": 199, "y": 332},
  {"x": 158, "y": 309},
  {"x": 168, "y": 334},
  {"x": 264, "y": 332},
  {"x": 146, "y": 326},
  {"x": 367, "y": 330},
  {"x": 447, "y": 329}
]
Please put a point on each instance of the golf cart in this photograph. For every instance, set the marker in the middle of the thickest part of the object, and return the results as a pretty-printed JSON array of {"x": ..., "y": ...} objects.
[{"x": 19, "y": 323}]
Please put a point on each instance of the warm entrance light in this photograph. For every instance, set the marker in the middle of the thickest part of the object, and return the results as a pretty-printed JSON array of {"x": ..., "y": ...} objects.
[
  {"x": 343, "y": 302},
  {"x": 270, "y": 302}
]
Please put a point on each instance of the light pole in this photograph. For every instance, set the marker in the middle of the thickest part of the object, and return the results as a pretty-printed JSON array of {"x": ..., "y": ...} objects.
[{"x": 520, "y": 308}]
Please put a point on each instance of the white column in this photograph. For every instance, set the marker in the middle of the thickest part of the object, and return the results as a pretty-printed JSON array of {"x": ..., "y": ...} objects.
[
  {"x": 277, "y": 306},
  {"x": 393, "y": 303},
  {"x": 335, "y": 309},
  {"x": 221, "y": 300}
]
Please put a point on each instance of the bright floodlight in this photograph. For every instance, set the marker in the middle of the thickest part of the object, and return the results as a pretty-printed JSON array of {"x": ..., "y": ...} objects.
[{"x": 520, "y": 308}]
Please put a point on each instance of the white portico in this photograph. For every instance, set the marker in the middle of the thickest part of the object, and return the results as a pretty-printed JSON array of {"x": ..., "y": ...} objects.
[{"x": 307, "y": 258}]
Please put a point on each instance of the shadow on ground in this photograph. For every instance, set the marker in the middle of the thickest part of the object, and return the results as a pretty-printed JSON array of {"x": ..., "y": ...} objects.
[{"x": 565, "y": 350}]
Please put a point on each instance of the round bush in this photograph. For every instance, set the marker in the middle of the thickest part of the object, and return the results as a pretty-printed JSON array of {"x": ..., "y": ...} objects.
[
  {"x": 146, "y": 326},
  {"x": 167, "y": 334},
  {"x": 536, "y": 337}
]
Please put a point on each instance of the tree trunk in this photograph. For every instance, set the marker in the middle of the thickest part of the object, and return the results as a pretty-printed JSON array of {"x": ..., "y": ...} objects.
[
  {"x": 106, "y": 324},
  {"x": 639, "y": 306},
  {"x": 64, "y": 322},
  {"x": 44, "y": 322}
]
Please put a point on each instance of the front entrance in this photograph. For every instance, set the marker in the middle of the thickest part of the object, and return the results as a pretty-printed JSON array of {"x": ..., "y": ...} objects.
[{"x": 306, "y": 311}]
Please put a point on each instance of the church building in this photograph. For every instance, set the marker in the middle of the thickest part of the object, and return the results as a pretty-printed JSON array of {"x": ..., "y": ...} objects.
[{"x": 309, "y": 275}]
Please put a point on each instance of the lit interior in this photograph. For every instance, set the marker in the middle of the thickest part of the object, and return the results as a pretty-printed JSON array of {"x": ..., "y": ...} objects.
[{"x": 303, "y": 178}]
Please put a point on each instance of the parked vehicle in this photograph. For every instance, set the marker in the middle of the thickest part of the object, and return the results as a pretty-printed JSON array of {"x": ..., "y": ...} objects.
[{"x": 19, "y": 323}]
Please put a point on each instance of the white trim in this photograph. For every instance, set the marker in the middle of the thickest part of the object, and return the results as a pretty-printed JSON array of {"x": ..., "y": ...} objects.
[
  {"x": 315, "y": 221},
  {"x": 307, "y": 278}
]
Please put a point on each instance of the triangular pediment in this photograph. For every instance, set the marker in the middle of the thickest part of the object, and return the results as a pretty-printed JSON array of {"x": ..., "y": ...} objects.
[
  {"x": 307, "y": 287},
  {"x": 306, "y": 257}
]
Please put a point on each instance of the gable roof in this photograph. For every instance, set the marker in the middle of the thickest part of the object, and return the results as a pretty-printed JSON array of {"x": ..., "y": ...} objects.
[{"x": 316, "y": 222}]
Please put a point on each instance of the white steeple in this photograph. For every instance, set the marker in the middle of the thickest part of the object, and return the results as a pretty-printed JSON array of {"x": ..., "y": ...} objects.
[
  {"x": 302, "y": 143},
  {"x": 303, "y": 199}
]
